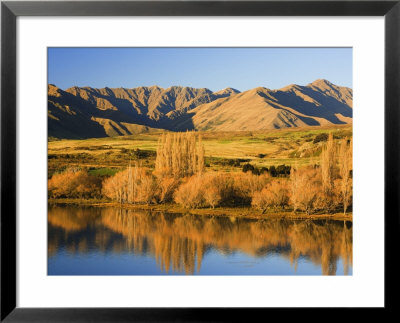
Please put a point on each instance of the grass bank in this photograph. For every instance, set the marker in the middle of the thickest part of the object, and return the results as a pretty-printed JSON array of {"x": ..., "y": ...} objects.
[{"x": 224, "y": 151}]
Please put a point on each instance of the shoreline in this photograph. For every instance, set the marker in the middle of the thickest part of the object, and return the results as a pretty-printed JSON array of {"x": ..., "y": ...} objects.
[{"x": 240, "y": 212}]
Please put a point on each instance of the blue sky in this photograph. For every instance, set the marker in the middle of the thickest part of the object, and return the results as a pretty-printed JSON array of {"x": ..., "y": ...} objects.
[{"x": 213, "y": 68}]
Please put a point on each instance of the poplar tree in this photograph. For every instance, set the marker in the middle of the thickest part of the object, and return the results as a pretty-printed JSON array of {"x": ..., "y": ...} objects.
[
  {"x": 346, "y": 166},
  {"x": 179, "y": 155},
  {"x": 328, "y": 167}
]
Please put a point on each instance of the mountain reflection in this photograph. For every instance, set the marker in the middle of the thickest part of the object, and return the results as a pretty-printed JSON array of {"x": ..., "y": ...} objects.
[{"x": 180, "y": 242}]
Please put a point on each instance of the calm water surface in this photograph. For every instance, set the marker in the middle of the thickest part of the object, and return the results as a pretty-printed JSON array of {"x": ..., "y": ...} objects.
[{"x": 113, "y": 241}]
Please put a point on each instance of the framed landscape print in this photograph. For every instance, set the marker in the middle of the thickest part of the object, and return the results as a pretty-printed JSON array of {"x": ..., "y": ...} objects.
[
  {"x": 196, "y": 155},
  {"x": 180, "y": 179}
]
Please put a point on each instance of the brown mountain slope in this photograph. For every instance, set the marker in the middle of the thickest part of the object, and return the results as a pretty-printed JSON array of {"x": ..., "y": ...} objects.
[
  {"x": 83, "y": 112},
  {"x": 153, "y": 102},
  {"x": 318, "y": 103}
]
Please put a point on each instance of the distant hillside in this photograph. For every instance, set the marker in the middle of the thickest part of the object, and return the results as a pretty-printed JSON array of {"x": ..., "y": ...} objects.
[{"x": 84, "y": 112}]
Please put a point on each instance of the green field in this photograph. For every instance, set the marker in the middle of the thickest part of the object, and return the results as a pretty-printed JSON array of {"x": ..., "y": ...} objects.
[{"x": 227, "y": 151}]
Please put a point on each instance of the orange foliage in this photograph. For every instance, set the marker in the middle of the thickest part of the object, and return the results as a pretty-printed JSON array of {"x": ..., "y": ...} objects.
[
  {"x": 166, "y": 189},
  {"x": 179, "y": 155},
  {"x": 190, "y": 194},
  {"x": 133, "y": 185},
  {"x": 345, "y": 184},
  {"x": 205, "y": 190},
  {"x": 246, "y": 184},
  {"x": 74, "y": 183},
  {"x": 219, "y": 189},
  {"x": 275, "y": 194},
  {"x": 306, "y": 189}
]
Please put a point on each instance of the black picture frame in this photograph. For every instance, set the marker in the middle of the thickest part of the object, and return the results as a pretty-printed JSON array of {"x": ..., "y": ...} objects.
[{"x": 10, "y": 10}]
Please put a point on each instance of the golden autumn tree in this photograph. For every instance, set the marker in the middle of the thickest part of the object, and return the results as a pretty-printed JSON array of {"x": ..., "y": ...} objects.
[
  {"x": 133, "y": 185},
  {"x": 274, "y": 194},
  {"x": 74, "y": 183},
  {"x": 200, "y": 156},
  {"x": 345, "y": 184},
  {"x": 305, "y": 189},
  {"x": 328, "y": 172},
  {"x": 179, "y": 155}
]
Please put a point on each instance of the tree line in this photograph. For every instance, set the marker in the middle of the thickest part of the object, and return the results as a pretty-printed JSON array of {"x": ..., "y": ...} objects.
[{"x": 180, "y": 177}]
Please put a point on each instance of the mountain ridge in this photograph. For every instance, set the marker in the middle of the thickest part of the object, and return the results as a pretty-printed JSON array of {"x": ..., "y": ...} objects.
[{"x": 85, "y": 112}]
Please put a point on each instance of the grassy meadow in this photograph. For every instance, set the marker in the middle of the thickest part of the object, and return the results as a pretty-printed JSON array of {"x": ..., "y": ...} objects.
[{"x": 224, "y": 151}]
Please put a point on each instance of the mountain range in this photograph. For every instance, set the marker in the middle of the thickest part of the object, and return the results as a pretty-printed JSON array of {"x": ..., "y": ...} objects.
[{"x": 86, "y": 112}]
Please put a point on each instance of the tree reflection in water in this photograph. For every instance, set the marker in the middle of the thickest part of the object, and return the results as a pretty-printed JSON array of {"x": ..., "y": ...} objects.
[{"x": 180, "y": 242}]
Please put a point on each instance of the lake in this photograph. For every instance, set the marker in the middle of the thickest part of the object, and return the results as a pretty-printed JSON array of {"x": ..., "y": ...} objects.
[{"x": 113, "y": 241}]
